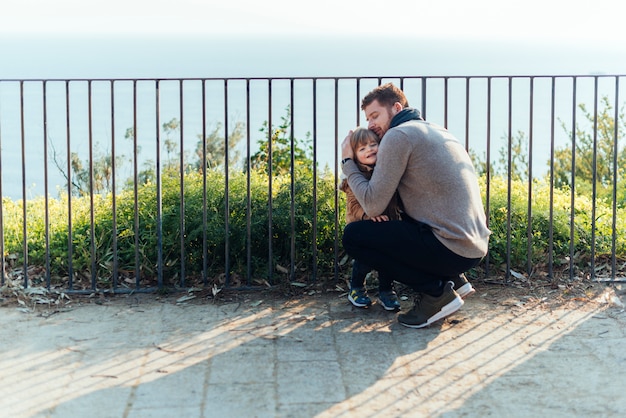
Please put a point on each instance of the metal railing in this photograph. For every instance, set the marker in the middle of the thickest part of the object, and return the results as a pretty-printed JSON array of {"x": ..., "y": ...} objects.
[{"x": 67, "y": 142}]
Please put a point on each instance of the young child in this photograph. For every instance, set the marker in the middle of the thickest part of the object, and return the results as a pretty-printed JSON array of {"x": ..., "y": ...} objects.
[{"x": 365, "y": 146}]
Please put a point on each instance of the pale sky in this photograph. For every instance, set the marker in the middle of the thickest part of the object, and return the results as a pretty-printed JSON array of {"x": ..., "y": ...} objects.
[
  {"x": 532, "y": 20},
  {"x": 134, "y": 38},
  {"x": 119, "y": 39}
]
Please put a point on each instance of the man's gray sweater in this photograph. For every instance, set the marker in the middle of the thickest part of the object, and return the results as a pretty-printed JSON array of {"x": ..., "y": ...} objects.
[{"x": 436, "y": 182}]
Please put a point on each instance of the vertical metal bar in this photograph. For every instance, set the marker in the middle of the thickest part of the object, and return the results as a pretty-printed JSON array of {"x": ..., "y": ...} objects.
[
  {"x": 45, "y": 183},
  {"x": 424, "y": 97},
  {"x": 314, "y": 276},
  {"x": 70, "y": 233},
  {"x": 594, "y": 177},
  {"x": 270, "y": 200},
  {"x": 488, "y": 169},
  {"x": 509, "y": 177},
  {"x": 551, "y": 230},
  {"x": 24, "y": 203},
  {"x": 337, "y": 176},
  {"x": 182, "y": 182},
  {"x": 358, "y": 102},
  {"x": 226, "y": 191},
  {"x": 572, "y": 215},
  {"x": 336, "y": 179},
  {"x": 2, "y": 250},
  {"x": 248, "y": 191},
  {"x": 445, "y": 103},
  {"x": 615, "y": 169},
  {"x": 205, "y": 244},
  {"x": 467, "y": 106},
  {"x": 92, "y": 221},
  {"x": 113, "y": 189},
  {"x": 136, "y": 190},
  {"x": 292, "y": 212},
  {"x": 159, "y": 185},
  {"x": 529, "y": 216}
]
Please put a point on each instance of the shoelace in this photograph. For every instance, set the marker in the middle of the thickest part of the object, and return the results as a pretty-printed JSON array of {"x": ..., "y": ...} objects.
[{"x": 417, "y": 301}]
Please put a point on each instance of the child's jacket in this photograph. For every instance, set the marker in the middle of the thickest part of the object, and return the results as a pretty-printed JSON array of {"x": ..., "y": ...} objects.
[{"x": 354, "y": 211}]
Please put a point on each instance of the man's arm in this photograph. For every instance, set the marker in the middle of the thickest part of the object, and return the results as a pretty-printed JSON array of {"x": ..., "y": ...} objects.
[{"x": 393, "y": 156}]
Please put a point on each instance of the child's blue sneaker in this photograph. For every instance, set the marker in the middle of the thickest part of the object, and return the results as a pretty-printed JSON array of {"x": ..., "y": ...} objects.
[
  {"x": 389, "y": 300},
  {"x": 358, "y": 297}
]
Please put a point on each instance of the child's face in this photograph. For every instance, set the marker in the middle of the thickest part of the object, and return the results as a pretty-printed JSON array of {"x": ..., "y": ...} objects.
[{"x": 366, "y": 154}]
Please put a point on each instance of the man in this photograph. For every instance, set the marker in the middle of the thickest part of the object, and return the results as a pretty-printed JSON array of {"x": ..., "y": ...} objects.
[{"x": 443, "y": 231}]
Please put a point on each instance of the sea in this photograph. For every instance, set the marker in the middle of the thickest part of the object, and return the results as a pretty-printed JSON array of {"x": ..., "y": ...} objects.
[{"x": 61, "y": 95}]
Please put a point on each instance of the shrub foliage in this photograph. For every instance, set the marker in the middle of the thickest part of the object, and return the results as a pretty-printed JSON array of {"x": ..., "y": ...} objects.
[{"x": 278, "y": 223}]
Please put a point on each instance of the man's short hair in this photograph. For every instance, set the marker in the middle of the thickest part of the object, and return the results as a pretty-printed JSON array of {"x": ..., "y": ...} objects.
[{"x": 386, "y": 95}]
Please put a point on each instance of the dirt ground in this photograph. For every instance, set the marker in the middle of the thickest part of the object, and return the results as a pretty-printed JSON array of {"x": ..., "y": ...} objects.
[{"x": 541, "y": 293}]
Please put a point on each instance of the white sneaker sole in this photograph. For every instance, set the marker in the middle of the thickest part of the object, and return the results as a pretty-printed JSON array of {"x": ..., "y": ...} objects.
[
  {"x": 465, "y": 290},
  {"x": 358, "y": 305},
  {"x": 448, "y": 309},
  {"x": 387, "y": 308}
]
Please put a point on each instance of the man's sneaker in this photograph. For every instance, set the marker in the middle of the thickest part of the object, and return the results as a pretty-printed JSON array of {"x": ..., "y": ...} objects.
[
  {"x": 461, "y": 286},
  {"x": 389, "y": 300},
  {"x": 358, "y": 297},
  {"x": 428, "y": 309}
]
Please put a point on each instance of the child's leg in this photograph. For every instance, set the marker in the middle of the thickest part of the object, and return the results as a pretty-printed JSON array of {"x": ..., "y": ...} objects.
[
  {"x": 359, "y": 272},
  {"x": 386, "y": 295},
  {"x": 385, "y": 284},
  {"x": 358, "y": 294}
]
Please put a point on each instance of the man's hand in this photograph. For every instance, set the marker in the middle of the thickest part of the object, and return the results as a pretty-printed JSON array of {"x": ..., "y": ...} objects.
[
  {"x": 380, "y": 218},
  {"x": 346, "y": 148}
]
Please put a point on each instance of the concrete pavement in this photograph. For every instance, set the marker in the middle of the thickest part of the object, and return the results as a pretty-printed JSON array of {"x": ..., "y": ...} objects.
[{"x": 316, "y": 356}]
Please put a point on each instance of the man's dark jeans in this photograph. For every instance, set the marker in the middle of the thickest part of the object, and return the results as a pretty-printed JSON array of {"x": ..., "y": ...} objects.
[{"x": 406, "y": 251}]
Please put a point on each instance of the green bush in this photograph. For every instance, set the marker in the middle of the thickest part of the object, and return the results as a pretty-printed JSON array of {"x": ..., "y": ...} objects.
[
  {"x": 291, "y": 237},
  {"x": 142, "y": 248},
  {"x": 540, "y": 224}
]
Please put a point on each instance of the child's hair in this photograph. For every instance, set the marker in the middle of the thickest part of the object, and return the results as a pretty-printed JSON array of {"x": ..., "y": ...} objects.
[{"x": 361, "y": 136}]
